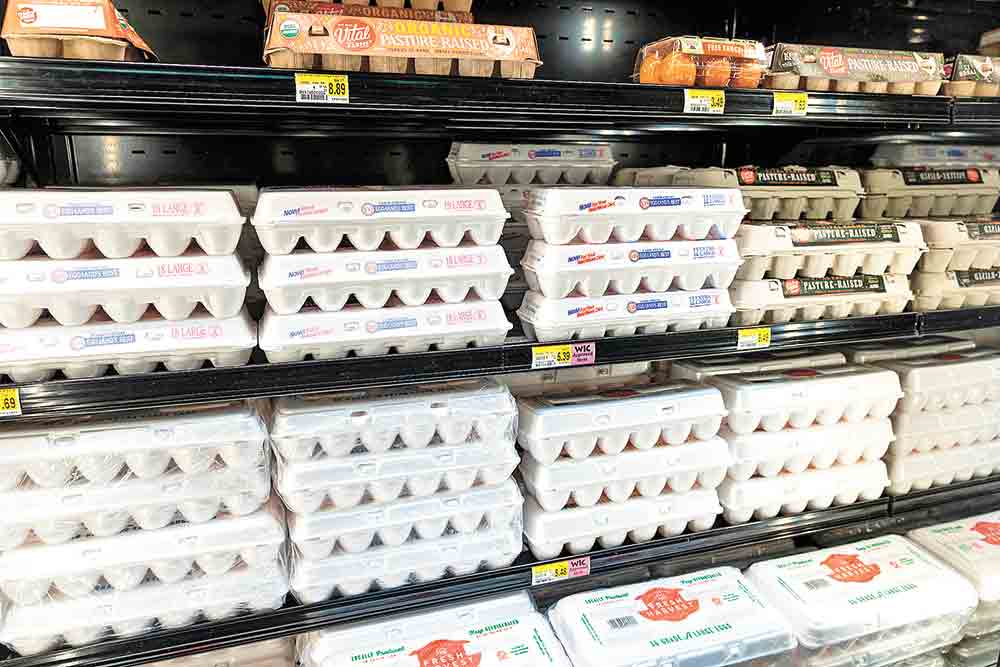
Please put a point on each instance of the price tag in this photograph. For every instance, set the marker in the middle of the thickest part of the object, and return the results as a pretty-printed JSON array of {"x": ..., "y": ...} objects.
[
  {"x": 322, "y": 88},
  {"x": 564, "y": 569},
  {"x": 753, "y": 339},
  {"x": 554, "y": 356},
  {"x": 790, "y": 104},
  {"x": 10, "y": 402},
  {"x": 704, "y": 101}
]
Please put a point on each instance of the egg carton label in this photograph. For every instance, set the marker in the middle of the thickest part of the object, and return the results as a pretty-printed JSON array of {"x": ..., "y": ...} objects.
[
  {"x": 833, "y": 285},
  {"x": 71, "y": 209},
  {"x": 942, "y": 176},
  {"x": 804, "y": 235},
  {"x": 754, "y": 176},
  {"x": 983, "y": 230},
  {"x": 977, "y": 278}
]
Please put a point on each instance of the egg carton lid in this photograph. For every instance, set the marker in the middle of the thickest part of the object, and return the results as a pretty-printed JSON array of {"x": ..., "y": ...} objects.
[
  {"x": 280, "y": 652},
  {"x": 592, "y": 202},
  {"x": 652, "y": 176},
  {"x": 697, "y": 370},
  {"x": 799, "y": 238},
  {"x": 797, "y": 292},
  {"x": 934, "y": 155},
  {"x": 771, "y": 181},
  {"x": 950, "y": 369},
  {"x": 623, "y": 308},
  {"x": 505, "y": 154},
  {"x": 951, "y": 233},
  {"x": 767, "y": 445},
  {"x": 542, "y": 257},
  {"x": 559, "y": 379},
  {"x": 787, "y": 487},
  {"x": 854, "y": 590},
  {"x": 950, "y": 282},
  {"x": 971, "y": 546},
  {"x": 715, "y": 617},
  {"x": 866, "y": 353},
  {"x": 937, "y": 462},
  {"x": 901, "y": 182},
  {"x": 916, "y": 424}
]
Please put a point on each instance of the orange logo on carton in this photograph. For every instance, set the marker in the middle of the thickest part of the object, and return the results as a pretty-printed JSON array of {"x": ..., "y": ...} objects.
[
  {"x": 990, "y": 531},
  {"x": 832, "y": 61},
  {"x": 850, "y": 568},
  {"x": 446, "y": 653},
  {"x": 747, "y": 176},
  {"x": 666, "y": 604},
  {"x": 972, "y": 175},
  {"x": 27, "y": 15},
  {"x": 354, "y": 34}
]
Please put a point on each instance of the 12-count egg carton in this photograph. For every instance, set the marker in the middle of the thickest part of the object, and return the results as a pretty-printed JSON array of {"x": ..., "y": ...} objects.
[
  {"x": 960, "y": 245},
  {"x": 948, "y": 380},
  {"x": 588, "y": 379},
  {"x": 925, "y": 346},
  {"x": 270, "y": 653},
  {"x": 956, "y": 289},
  {"x": 67, "y": 223},
  {"x": 945, "y": 428},
  {"x": 526, "y": 163},
  {"x": 920, "y": 192},
  {"x": 696, "y": 370},
  {"x": 939, "y": 467}
]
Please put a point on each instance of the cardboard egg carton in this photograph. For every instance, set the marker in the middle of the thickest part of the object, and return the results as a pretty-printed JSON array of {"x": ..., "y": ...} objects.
[
  {"x": 956, "y": 289},
  {"x": 852, "y": 70},
  {"x": 972, "y": 76},
  {"x": 960, "y": 245},
  {"x": 713, "y": 62},
  {"x": 922, "y": 192}
]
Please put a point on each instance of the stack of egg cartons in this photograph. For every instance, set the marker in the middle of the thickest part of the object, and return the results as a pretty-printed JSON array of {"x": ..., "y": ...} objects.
[
  {"x": 803, "y": 431},
  {"x": 423, "y": 265},
  {"x": 78, "y": 255},
  {"x": 398, "y": 486},
  {"x": 119, "y": 525},
  {"x": 962, "y": 266}
]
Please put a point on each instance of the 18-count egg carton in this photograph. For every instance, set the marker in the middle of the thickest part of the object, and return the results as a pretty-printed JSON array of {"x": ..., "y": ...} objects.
[
  {"x": 960, "y": 245},
  {"x": 526, "y": 163},
  {"x": 956, "y": 289},
  {"x": 920, "y": 192}
]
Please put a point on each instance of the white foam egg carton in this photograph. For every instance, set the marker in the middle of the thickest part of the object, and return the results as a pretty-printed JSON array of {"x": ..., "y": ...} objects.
[
  {"x": 696, "y": 370},
  {"x": 956, "y": 289},
  {"x": 270, "y": 653},
  {"x": 546, "y": 319},
  {"x": 98, "y": 449},
  {"x": 37, "y": 573},
  {"x": 624, "y": 268},
  {"x": 786, "y": 193},
  {"x": 946, "y": 428},
  {"x": 609, "y": 524},
  {"x": 948, "y": 380},
  {"x": 711, "y": 617},
  {"x": 791, "y": 450},
  {"x": 57, "y": 515},
  {"x": 72, "y": 290},
  {"x": 365, "y": 217},
  {"x": 925, "y": 346},
  {"x": 649, "y": 473},
  {"x": 939, "y": 467},
  {"x": 873, "y": 602},
  {"x": 922, "y": 192},
  {"x": 609, "y": 421},
  {"x": 960, "y": 245},
  {"x": 498, "y": 164},
  {"x": 376, "y": 331},
  {"x": 331, "y": 278},
  {"x": 812, "y": 250},
  {"x": 649, "y": 176},
  {"x": 589, "y": 379},
  {"x": 33, "y": 629},
  {"x": 386, "y": 567},
  {"x": 67, "y": 223},
  {"x": 935, "y": 155},
  {"x": 595, "y": 215},
  {"x": 89, "y": 350},
  {"x": 833, "y": 297}
]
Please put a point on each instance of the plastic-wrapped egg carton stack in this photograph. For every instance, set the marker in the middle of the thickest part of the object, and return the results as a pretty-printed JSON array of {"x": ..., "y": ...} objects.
[
  {"x": 79, "y": 257},
  {"x": 623, "y": 464},
  {"x": 392, "y": 487},
  {"x": 423, "y": 266},
  {"x": 119, "y": 525},
  {"x": 270, "y": 653},
  {"x": 962, "y": 267},
  {"x": 803, "y": 431}
]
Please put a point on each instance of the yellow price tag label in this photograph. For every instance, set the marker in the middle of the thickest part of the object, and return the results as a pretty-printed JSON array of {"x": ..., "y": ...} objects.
[
  {"x": 564, "y": 569},
  {"x": 790, "y": 104},
  {"x": 704, "y": 101},
  {"x": 753, "y": 339},
  {"x": 554, "y": 356},
  {"x": 322, "y": 88},
  {"x": 10, "y": 402}
]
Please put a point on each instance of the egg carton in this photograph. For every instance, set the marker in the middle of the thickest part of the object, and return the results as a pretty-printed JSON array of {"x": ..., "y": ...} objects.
[
  {"x": 546, "y": 319},
  {"x": 833, "y": 297},
  {"x": 89, "y": 350},
  {"x": 940, "y": 467},
  {"x": 624, "y": 268},
  {"x": 98, "y": 449},
  {"x": 72, "y": 290},
  {"x": 920, "y": 192},
  {"x": 697, "y": 370},
  {"x": 33, "y": 629},
  {"x": 803, "y": 396},
  {"x": 37, "y": 574},
  {"x": 975, "y": 651},
  {"x": 588, "y": 379},
  {"x": 713, "y": 617},
  {"x": 812, "y": 250},
  {"x": 935, "y": 155},
  {"x": 960, "y": 245},
  {"x": 946, "y": 428},
  {"x": 526, "y": 163},
  {"x": 330, "y": 279},
  {"x": 925, "y": 346},
  {"x": 57, "y": 515},
  {"x": 68, "y": 223},
  {"x": 948, "y": 380},
  {"x": 873, "y": 602},
  {"x": 388, "y": 567},
  {"x": 270, "y": 653},
  {"x": 785, "y": 193},
  {"x": 325, "y": 217},
  {"x": 648, "y": 176},
  {"x": 768, "y": 454},
  {"x": 370, "y": 332},
  {"x": 956, "y": 289},
  {"x": 595, "y": 215},
  {"x": 933, "y": 658},
  {"x": 641, "y": 416}
]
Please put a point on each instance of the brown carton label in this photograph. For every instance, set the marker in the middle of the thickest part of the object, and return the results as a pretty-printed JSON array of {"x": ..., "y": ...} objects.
[{"x": 339, "y": 9}]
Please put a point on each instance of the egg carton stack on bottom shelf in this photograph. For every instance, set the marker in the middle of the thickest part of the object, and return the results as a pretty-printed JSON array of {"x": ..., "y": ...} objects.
[
  {"x": 628, "y": 463},
  {"x": 271, "y": 653},
  {"x": 962, "y": 267},
  {"x": 391, "y": 487},
  {"x": 424, "y": 267},
  {"x": 921, "y": 192},
  {"x": 116, "y": 526}
]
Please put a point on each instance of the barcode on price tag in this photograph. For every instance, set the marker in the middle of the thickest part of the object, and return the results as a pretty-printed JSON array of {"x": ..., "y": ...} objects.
[
  {"x": 753, "y": 339},
  {"x": 554, "y": 356},
  {"x": 790, "y": 104},
  {"x": 322, "y": 88},
  {"x": 704, "y": 101},
  {"x": 10, "y": 402},
  {"x": 564, "y": 569}
]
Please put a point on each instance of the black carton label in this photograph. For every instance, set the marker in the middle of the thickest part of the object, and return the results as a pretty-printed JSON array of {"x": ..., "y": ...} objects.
[
  {"x": 978, "y": 277},
  {"x": 751, "y": 176},
  {"x": 988, "y": 229},
  {"x": 832, "y": 285},
  {"x": 809, "y": 234},
  {"x": 942, "y": 176}
]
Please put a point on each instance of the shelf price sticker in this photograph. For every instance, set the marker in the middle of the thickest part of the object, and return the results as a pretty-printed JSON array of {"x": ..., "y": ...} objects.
[
  {"x": 753, "y": 339},
  {"x": 554, "y": 356},
  {"x": 704, "y": 101},
  {"x": 10, "y": 402},
  {"x": 560, "y": 571},
  {"x": 322, "y": 88},
  {"x": 790, "y": 104}
]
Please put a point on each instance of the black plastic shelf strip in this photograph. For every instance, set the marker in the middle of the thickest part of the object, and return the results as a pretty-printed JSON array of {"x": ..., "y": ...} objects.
[{"x": 976, "y": 111}]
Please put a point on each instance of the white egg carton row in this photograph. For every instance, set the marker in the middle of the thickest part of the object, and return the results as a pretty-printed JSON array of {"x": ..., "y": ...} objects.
[
  {"x": 609, "y": 524},
  {"x": 925, "y": 346},
  {"x": 708, "y": 617},
  {"x": 33, "y": 629},
  {"x": 71, "y": 290},
  {"x": 956, "y": 289},
  {"x": 270, "y": 653},
  {"x": 594, "y": 215},
  {"x": 832, "y": 297},
  {"x": 918, "y": 193},
  {"x": 89, "y": 350},
  {"x": 546, "y": 319},
  {"x": 697, "y": 370},
  {"x": 649, "y": 473},
  {"x": 935, "y": 155},
  {"x": 794, "y": 450},
  {"x": 370, "y": 332},
  {"x": 560, "y": 270},
  {"x": 386, "y": 567},
  {"x": 960, "y": 245},
  {"x": 940, "y": 467},
  {"x": 67, "y": 223},
  {"x": 36, "y": 574},
  {"x": 946, "y": 428},
  {"x": 365, "y": 217},
  {"x": 948, "y": 380},
  {"x": 812, "y": 250},
  {"x": 785, "y": 193},
  {"x": 97, "y": 450},
  {"x": 588, "y": 379},
  {"x": 814, "y": 489},
  {"x": 641, "y": 416},
  {"x": 526, "y": 163},
  {"x": 57, "y": 515},
  {"x": 872, "y": 602}
]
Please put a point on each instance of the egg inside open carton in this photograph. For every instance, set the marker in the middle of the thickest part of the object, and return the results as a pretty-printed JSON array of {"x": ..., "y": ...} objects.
[{"x": 711, "y": 62}]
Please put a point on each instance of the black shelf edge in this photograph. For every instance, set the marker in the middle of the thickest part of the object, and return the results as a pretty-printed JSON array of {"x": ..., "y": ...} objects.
[
  {"x": 943, "y": 321},
  {"x": 976, "y": 111}
]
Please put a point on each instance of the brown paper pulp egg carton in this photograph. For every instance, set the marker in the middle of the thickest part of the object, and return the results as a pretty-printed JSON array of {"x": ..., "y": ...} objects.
[
  {"x": 379, "y": 12},
  {"x": 971, "y": 76},
  {"x": 424, "y": 5},
  {"x": 712, "y": 62}
]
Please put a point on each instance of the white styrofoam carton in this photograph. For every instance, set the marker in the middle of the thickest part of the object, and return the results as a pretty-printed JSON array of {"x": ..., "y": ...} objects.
[
  {"x": 945, "y": 428},
  {"x": 498, "y": 164},
  {"x": 948, "y": 380},
  {"x": 925, "y": 346},
  {"x": 697, "y": 370},
  {"x": 938, "y": 467},
  {"x": 956, "y": 289},
  {"x": 922, "y": 192},
  {"x": 960, "y": 245},
  {"x": 586, "y": 379},
  {"x": 269, "y": 653}
]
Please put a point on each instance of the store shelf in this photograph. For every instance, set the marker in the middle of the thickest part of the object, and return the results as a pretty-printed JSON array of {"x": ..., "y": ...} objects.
[{"x": 976, "y": 111}]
